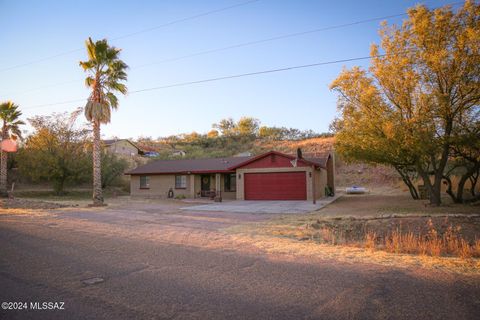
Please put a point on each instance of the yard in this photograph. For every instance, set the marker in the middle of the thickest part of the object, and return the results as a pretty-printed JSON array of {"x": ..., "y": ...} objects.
[{"x": 152, "y": 259}]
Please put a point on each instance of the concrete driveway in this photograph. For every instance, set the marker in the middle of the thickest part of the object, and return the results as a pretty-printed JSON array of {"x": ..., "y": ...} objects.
[{"x": 263, "y": 206}]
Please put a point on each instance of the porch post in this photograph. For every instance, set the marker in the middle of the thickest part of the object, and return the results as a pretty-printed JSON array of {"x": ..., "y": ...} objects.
[
  {"x": 313, "y": 185},
  {"x": 217, "y": 182},
  {"x": 218, "y": 190},
  {"x": 192, "y": 186}
]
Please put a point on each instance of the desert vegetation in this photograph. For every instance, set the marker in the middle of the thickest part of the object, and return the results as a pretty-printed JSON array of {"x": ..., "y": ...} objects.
[
  {"x": 57, "y": 154},
  {"x": 445, "y": 239},
  {"x": 387, "y": 222},
  {"x": 229, "y": 137},
  {"x": 416, "y": 108}
]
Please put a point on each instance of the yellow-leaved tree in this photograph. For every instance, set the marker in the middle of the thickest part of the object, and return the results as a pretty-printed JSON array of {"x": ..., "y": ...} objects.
[{"x": 423, "y": 85}]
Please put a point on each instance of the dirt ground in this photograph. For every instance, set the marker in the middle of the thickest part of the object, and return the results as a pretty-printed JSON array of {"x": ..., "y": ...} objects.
[
  {"x": 18, "y": 203},
  {"x": 355, "y": 215},
  {"x": 388, "y": 202},
  {"x": 153, "y": 260},
  {"x": 379, "y": 211}
]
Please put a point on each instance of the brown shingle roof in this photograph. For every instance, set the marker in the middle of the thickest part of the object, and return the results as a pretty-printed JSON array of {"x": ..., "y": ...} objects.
[
  {"x": 210, "y": 165},
  {"x": 188, "y": 165}
]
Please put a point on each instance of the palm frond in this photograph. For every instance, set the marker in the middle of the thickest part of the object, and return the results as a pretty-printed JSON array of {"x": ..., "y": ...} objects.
[
  {"x": 106, "y": 73},
  {"x": 90, "y": 49},
  {"x": 89, "y": 81},
  {"x": 98, "y": 111},
  {"x": 86, "y": 65},
  {"x": 10, "y": 116},
  {"x": 113, "y": 100}
]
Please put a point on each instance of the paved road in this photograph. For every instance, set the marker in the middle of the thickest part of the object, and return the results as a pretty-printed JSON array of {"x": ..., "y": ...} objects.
[{"x": 161, "y": 263}]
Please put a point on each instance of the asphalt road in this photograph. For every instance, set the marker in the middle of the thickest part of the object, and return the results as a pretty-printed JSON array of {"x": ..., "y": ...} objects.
[{"x": 163, "y": 264}]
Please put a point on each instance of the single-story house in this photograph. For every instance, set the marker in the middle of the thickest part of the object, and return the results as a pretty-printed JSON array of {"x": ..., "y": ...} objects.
[
  {"x": 122, "y": 147},
  {"x": 269, "y": 176}
]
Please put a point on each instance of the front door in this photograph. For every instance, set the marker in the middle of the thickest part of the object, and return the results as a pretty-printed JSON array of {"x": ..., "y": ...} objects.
[{"x": 205, "y": 185}]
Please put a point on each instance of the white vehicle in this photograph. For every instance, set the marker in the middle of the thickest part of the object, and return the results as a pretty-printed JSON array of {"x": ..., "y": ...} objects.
[{"x": 355, "y": 190}]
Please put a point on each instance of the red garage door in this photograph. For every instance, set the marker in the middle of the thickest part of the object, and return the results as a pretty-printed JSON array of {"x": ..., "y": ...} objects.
[{"x": 275, "y": 186}]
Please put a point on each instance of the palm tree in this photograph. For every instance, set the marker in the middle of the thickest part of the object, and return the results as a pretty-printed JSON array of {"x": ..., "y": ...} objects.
[
  {"x": 9, "y": 115},
  {"x": 105, "y": 75}
]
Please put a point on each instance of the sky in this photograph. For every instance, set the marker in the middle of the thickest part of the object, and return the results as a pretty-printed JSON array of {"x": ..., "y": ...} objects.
[{"x": 43, "y": 41}]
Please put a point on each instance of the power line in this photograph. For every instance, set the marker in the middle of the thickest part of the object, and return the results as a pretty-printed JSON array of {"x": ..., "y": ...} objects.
[
  {"x": 181, "y": 84},
  {"x": 54, "y": 104},
  {"x": 249, "y": 43},
  {"x": 196, "y": 16},
  {"x": 285, "y": 36},
  {"x": 47, "y": 86},
  {"x": 186, "y": 19}
]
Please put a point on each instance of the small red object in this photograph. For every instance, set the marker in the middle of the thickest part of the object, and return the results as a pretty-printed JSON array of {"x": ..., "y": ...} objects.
[{"x": 9, "y": 145}]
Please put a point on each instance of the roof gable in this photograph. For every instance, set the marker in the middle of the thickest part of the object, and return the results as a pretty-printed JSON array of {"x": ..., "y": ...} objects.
[{"x": 275, "y": 159}]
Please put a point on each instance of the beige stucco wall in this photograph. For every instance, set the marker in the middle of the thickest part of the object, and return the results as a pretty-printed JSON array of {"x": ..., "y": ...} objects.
[
  {"x": 331, "y": 171},
  {"x": 122, "y": 147},
  {"x": 319, "y": 177},
  {"x": 197, "y": 185},
  {"x": 225, "y": 194},
  {"x": 159, "y": 186},
  {"x": 322, "y": 182}
]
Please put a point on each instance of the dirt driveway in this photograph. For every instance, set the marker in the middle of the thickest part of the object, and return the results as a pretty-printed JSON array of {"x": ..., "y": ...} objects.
[{"x": 154, "y": 261}]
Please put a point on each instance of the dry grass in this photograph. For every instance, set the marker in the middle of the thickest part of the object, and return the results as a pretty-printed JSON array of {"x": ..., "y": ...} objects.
[
  {"x": 450, "y": 243},
  {"x": 370, "y": 240},
  {"x": 377, "y": 228},
  {"x": 290, "y": 248},
  {"x": 432, "y": 243}
]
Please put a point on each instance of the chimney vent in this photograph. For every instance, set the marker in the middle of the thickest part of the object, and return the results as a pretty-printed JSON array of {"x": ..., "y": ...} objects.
[{"x": 299, "y": 153}]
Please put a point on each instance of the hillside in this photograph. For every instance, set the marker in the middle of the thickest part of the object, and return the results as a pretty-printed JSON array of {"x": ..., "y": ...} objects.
[
  {"x": 308, "y": 146},
  {"x": 347, "y": 174}
]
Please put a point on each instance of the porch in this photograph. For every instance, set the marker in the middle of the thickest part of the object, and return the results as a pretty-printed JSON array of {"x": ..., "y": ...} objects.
[{"x": 209, "y": 185}]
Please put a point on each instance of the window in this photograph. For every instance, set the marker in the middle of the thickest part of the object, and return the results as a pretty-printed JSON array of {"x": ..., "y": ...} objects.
[
  {"x": 144, "y": 182},
  {"x": 180, "y": 182},
  {"x": 230, "y": 182}
]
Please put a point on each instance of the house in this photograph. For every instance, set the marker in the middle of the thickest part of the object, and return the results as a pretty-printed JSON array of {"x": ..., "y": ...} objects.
[
  {"x": 122, "y": 147},
  {"x": 269, "y": 176}
]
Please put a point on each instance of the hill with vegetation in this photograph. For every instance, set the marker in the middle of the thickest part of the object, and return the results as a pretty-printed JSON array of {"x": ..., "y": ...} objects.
[{"x": 229, "y": 138}]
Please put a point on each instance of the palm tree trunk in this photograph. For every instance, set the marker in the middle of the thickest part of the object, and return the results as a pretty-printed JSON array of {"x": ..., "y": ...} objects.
[
  {"x": 3, "y": 174},
  {"x": 97, "y": 174}
]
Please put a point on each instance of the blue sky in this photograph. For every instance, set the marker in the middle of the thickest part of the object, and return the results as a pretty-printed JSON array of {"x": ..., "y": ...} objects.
[{"x": 33, "y": 30}]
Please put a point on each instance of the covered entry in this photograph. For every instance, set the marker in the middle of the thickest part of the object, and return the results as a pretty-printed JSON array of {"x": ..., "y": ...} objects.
[{"x": 275, "y": 186}]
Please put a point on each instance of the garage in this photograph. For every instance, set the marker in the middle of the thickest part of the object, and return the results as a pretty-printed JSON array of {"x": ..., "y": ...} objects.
[{"x": 276, "y": 186}]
